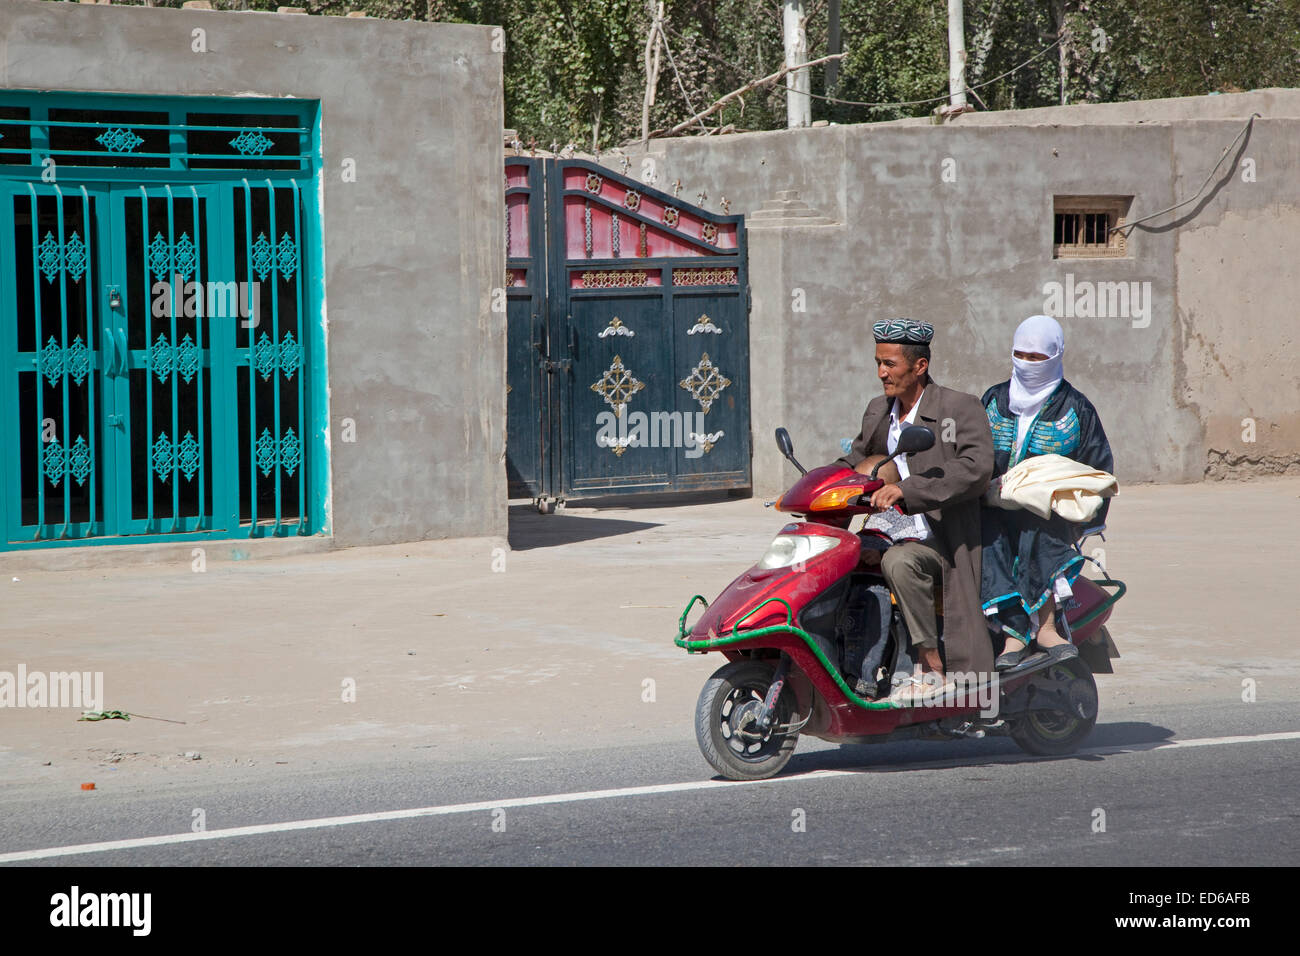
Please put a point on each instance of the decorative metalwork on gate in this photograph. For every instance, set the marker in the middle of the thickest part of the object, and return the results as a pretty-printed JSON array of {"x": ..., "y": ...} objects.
[
  {"x": 703, "y": 325},
  {"x": 164, "y": 360},
  {"x": 57, "y": 361},
  {"x": 118, "y": 140},
  {"x": 707, "y": 440},
  {"x": 188, "y": 413},
  {"x": 615, "y": 327},
  {"x": 705, "y": 382},
  {"x": 615, "y": 279},
  {"x": 286, "y": 257},
  {"x": 167, "y": 259},
  {"x": 269, "y": 358},
  {"x": 283, "y": 453},
  {"x": 269, "y": 257},
  {"x": 57, "y": 258},
  {"x": 617, "y": 386},
  {"x": 59, "y": 462},
  {"x": 251, "y": 143},
  {"x": 705, "y": 277},
  {"x": 168, "y": 458},
  {"x": 615, "y": 444}
]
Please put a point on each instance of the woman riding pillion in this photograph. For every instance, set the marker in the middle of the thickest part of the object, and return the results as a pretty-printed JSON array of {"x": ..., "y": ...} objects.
[{"x": 1029, "y": 561}]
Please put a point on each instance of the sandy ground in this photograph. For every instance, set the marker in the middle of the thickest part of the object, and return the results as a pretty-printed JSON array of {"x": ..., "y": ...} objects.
[{"x": 554, "y": 649}]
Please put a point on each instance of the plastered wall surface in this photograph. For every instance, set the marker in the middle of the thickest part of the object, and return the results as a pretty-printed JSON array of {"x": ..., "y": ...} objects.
[
  {"x": 953, "y": 224},
  {"x": 412, "y": 248}
]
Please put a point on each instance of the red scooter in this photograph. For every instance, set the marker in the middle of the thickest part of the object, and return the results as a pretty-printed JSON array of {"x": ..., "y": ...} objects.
[{"x": 797, "y": 627}]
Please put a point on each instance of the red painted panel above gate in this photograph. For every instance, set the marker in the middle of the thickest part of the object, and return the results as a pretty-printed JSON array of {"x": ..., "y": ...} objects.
[{"x": 609, "y": 217}]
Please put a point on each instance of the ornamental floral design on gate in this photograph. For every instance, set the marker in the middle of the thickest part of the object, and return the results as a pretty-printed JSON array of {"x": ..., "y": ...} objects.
[
  {"x": 617, "y": 386},
  {"x": 615, "y": 327},
  {"x": 707, "y": 439},
  {"x": 705, "y": 382},
  {"x": 704, "y": 324},
  {"x": 54, "y": 257}
]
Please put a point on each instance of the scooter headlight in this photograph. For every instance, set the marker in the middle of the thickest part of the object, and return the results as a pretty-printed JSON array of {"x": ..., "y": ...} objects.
[{"x": 788, "y": 549}]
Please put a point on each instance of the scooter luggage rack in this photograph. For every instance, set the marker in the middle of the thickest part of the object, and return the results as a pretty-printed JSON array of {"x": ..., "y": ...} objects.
[
  {"x": 787, "y": 628},
  {"x": 1104, "y": 582},
  {"x": 1106, "y": 605}
]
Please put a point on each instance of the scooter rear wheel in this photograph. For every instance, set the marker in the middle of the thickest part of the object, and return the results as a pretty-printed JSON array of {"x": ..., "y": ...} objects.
[
  {"x": 1053, "y": 733},
  {"x": 725, "y": 719}
]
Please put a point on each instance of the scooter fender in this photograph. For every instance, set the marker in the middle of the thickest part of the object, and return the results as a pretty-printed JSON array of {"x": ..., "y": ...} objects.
[
  {"x": 815, "y": 689},
  {"x": 795, "y": 585}
]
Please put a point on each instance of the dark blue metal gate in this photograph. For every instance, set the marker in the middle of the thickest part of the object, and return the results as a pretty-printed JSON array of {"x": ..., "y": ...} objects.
[{"x": 628, "y": 337}]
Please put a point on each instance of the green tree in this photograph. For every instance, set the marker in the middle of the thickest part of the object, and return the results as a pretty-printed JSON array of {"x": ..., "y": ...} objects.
[{"x": 574, "y": 70}]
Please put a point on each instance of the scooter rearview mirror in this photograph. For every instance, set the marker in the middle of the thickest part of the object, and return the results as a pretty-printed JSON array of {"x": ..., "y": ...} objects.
[
  {"x": 914, "y": 438},
  {"x": 787, "y": 449}
]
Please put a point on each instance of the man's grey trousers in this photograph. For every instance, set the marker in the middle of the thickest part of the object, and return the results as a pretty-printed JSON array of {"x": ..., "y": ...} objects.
[{"x": 913, "y": 569}]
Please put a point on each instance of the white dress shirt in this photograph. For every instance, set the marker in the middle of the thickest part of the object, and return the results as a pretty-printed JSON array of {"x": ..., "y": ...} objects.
[{"x": 891, "y": 443}]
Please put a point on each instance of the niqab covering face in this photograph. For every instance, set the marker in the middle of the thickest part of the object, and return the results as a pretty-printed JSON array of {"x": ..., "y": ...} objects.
[{"x": 1033, "y": 382}]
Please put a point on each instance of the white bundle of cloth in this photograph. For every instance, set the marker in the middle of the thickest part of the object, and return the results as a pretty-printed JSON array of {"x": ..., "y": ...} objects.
[{"x": 1045, "y": 484}]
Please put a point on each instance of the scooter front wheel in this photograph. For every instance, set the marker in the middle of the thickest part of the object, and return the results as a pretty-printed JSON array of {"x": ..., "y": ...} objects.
[{"x": 726, "y": 722}]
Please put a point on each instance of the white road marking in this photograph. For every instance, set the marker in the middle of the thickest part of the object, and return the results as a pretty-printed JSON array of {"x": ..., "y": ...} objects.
[{"x": 484, "y": 806}]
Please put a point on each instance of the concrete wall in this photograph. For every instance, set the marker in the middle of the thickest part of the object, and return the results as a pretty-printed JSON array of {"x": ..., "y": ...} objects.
[
  {"x": 413, "y": 247},
  {"x": 875, "y": 231},
  {"x": 1238, "y": 278}
]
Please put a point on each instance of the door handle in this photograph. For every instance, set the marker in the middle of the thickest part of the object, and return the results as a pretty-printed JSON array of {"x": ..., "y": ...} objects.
[
  {"x": 110, "y": 353},
  {"x": 124, "y": 352}
]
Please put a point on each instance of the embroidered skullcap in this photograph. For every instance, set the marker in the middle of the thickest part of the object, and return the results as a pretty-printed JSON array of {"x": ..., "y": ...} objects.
[{"x": 903, "y": 332}]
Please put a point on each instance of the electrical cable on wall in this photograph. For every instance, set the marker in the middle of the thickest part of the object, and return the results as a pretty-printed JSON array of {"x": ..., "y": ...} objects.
[{"x": 1136, "y": 222}]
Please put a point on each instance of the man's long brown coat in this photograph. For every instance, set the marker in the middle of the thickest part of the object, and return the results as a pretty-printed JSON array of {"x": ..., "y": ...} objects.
[{"x": 946, "y": 483}]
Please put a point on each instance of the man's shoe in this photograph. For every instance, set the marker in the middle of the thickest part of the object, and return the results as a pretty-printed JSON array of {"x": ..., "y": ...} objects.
[
  {"x": 940, "y": 691},
  {"x": 867, "y": 690},
  {"x": 906, "y": 690},
  {"x": 931, "y": 690}
]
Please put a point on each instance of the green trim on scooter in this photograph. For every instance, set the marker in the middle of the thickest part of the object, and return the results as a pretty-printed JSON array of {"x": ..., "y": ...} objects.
[
  {"x": 787, "y": 628},
  {"x": 1105, "y": 605}
]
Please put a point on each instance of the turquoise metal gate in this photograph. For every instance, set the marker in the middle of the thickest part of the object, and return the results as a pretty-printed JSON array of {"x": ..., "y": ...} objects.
[{"x": 161, "y": 360}]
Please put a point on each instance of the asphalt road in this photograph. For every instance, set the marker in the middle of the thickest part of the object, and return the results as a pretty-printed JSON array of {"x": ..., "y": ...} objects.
[{"x": 976, "y": 802}]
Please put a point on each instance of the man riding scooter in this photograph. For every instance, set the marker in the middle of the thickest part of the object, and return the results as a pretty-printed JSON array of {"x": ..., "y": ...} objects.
[
  {"x": 941, "y": 488},
  {"x": 811, "y": 617}
]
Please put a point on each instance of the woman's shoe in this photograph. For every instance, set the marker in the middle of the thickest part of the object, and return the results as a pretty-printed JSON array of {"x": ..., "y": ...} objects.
[
  {"x": 1060, "y": 652},
  {"x": 1009, "y": 659}
]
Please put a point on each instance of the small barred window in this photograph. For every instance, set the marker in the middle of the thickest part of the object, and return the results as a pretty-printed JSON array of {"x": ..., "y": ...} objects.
[{"x": 1084, "y": 227}]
